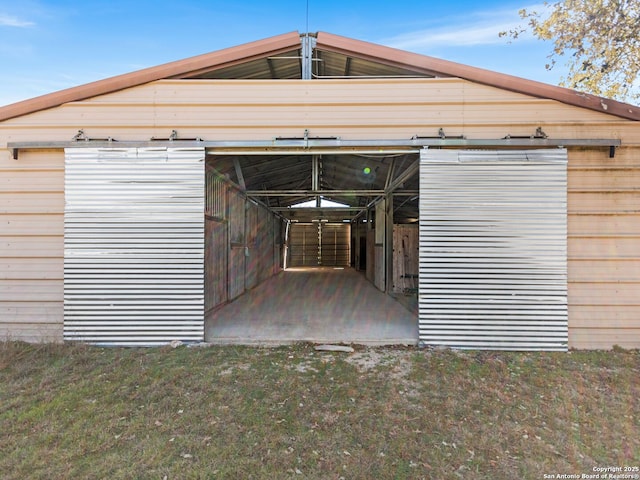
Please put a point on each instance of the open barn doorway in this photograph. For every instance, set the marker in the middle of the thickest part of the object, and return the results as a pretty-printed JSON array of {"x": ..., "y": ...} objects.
[{"x": 300, "y": 247}]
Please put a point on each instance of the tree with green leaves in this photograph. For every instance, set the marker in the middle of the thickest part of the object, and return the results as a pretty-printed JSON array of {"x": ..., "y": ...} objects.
[{"x": 601, "y": 39}]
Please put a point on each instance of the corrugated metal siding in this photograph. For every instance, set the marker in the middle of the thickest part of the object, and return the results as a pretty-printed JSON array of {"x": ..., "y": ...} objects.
[
  {"x": 134, "y": 246},
  {"x": 493, "y": 249},
  {"x": 336, "y": 244},
  {"x": 303, "y": 244}
]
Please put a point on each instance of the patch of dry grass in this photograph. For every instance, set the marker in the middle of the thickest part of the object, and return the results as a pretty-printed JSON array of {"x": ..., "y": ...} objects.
[{"x": 72, "y": 411}]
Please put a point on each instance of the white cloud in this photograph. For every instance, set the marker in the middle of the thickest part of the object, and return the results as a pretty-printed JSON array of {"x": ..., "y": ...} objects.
[
  {"x": 11, "y": 21},
  {"x": 477, "y": 28},
  {"x": 452, "y": 36}
]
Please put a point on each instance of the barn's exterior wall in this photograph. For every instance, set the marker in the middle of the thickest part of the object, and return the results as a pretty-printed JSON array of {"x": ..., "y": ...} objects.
[
  {"x": 31, "y": 246},
  {"x": 603, "y": 192},
  {"x": 604, "y": 248},
  {"x": 263, "y": 109}
]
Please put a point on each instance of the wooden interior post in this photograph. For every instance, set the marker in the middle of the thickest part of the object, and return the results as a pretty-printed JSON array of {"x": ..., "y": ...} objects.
[{"x": 388, "y": 244}]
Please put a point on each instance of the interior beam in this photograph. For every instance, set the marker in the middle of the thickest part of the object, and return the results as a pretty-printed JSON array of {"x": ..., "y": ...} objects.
[
  {"x": 236, "y": 165},
  {"x": 315, "y": 176},
  {"x": 313, "y": 193},
  {"x": 347, "y": 67},
  {"x": 391, "y": 172},
  {"x": 327, "y": 210},
  {"x": 272, "y": 70},
  {"x": 410, "y": 171}
]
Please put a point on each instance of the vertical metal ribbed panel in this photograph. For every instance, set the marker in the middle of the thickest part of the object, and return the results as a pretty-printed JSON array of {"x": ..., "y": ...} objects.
[
  {"x": 134, "y": 245},
  {"x": 336, "y": 244},
  {"x": 304, "y": 244},
  {"x": 216, "y": 196},
  {"x": 493, "y": 249}
]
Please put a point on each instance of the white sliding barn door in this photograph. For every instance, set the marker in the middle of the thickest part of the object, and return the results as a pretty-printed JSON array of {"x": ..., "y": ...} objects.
[
  {"x": 493, "y": 249},
  {"x": 134, "y": 245}
]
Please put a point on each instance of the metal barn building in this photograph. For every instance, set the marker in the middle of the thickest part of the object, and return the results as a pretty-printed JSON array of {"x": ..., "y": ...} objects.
[{"x": 504, "y": 213}]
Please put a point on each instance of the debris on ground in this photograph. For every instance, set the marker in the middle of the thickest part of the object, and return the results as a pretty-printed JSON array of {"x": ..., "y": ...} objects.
[{"x": 334, "y": 348}]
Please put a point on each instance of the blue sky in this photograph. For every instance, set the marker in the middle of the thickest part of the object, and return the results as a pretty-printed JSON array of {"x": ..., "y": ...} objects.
[{"x": 49, "y": 45}]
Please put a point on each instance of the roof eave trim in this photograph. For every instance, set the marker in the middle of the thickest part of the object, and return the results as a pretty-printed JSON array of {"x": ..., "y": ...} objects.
[
  {"x": 178, "y": 69},
  {"x": 445, "y": 68}
]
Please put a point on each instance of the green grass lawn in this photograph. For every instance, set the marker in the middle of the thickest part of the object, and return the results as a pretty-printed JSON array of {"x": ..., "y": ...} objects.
[{"x": 72, "y": 411}]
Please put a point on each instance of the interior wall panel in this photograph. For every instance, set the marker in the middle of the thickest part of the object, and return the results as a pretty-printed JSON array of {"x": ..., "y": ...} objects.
[
  {"x": 216, "y": 263},
  {"x": 237, "y": 244},
  {"x": 252, "y": 262}
]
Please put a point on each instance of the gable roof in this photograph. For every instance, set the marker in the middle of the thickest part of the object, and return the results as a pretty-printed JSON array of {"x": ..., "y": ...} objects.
[{"x": 279, "y": 57}]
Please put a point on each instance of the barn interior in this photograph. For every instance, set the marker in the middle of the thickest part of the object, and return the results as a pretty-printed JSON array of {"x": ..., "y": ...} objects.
[{"x": 312, "y": 246}]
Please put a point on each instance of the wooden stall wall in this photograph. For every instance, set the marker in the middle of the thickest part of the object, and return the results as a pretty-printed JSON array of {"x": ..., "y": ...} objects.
[
  {"x": 262, "y": 243},
  {"x": 243, "y": 244},
  {"x": 215, "y": 240},
  {"x": 405, "y": 258},
  {"x": 216, "y": 255},
  {"x": 279, "y": 229},
  {"x": 371, "y": 255},
  {"x": 379, "y": 274},
  {"x": 237, "y": 245},
  {"x": 265, "y": 242},
  {"x": 252, "y": 255}
]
